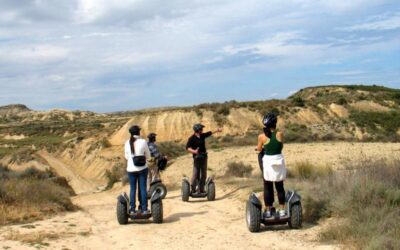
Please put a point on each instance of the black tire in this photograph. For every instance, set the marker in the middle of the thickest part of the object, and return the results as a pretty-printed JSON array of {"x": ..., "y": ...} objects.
[
  {"x": 211, "y": 191},
  {"x": 122, "y": 213},
  {"x": 185, "y": 191},
  {"x": 296, "y": 216},
  {"x": 253, "y": 217},
  {"x": 157, "y": 211},
  {"x": 160, "y": 188}
]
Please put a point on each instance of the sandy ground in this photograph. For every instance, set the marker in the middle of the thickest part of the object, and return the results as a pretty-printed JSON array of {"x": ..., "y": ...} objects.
[{"x": 197, "y": 224}]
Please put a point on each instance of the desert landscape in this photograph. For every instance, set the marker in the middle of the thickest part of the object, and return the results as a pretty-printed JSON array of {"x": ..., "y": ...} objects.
[
  {"x": 63, "y": 170},
  {"x": 218, "y": 225}
]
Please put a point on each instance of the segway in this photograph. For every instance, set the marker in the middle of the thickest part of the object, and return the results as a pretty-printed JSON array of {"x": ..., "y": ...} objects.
[
  {"x": 123, "y": 208},
  {"x": 210, "y": 190},
  {"x": 157, "y": 185},
  {"x": 293, "y": 209}
]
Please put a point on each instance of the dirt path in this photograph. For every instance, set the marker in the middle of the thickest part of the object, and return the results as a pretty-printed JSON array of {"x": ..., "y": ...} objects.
[
  {"x": 197, "y": 224},
  {"x": 194, "y": 225},
  {"x": 79, "y": 184}
]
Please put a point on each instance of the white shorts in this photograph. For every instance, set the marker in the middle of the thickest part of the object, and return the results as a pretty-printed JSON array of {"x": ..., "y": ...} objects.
[{"x": 274, "y": 168}]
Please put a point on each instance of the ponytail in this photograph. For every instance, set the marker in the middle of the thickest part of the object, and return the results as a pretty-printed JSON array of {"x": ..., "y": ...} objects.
[
  {"x": 267, "y": 129},
  {"x": 267, "y": 132},
  {"x": 131, "y": 142}
]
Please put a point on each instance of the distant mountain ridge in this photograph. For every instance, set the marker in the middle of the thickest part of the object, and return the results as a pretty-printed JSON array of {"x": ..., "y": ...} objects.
[{"x": 314, "y": 113}]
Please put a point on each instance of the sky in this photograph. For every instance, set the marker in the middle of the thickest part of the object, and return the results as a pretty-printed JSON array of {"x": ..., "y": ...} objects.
[{"x": 105, "y": 56}]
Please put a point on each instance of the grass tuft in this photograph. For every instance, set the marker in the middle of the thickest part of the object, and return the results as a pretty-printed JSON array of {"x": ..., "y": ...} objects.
[
  {"x": 308, "y": 171},
  {"x": 238, "y": 169}
]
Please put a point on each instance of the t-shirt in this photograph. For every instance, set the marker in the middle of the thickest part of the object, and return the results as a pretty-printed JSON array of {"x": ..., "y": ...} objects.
[
  {"x": 154, "y": 150},
  {"x": 195, "y": 142}
]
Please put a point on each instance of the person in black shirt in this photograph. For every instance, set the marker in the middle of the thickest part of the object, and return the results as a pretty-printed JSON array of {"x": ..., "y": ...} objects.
[{"x": 197, "y": 146}]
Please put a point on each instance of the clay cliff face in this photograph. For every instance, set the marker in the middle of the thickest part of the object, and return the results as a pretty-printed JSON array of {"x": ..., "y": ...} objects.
[{"x": 177, "y": 125}]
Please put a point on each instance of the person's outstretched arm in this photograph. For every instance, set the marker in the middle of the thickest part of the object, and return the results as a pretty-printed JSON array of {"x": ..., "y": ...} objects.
[{"x": 219, "y": 130}]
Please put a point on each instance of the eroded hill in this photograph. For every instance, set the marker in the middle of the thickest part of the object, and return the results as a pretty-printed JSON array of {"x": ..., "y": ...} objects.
[{"x": 91, "y": 143}]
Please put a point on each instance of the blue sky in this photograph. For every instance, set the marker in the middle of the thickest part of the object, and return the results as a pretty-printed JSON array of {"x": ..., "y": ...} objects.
[{"x": 103, "y": 55}]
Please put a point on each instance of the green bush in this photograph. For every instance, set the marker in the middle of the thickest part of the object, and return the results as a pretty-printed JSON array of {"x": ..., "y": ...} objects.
[
  {"x": 384, "y": 123},
  {"x": 238, "y": 169},
  {"x": 341, "y": 101},
  {"x": 297, "y": 133},
  {"x": 172, "y": 149},
  {"x": 298, "y": 101}
]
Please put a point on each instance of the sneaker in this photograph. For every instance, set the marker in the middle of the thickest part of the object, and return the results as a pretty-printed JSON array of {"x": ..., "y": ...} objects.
[
  {"x": 267, "y": 213},
  {"x": 282, "y": 213},
  {"x": 132, "y": 211},
  {"x": 146, "y": 212}
]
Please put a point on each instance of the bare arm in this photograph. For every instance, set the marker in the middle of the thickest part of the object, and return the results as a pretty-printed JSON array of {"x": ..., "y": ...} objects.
[
  {"x": 261, "y": 141},
  {"x": 279, "y": 136}
]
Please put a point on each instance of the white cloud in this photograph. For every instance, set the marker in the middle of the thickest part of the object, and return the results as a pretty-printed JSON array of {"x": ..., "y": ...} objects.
[
  {"x": 97, "y": 43},
  {"x": 131, "y": 58},
  {"x": 347, "y": 73},
  {"x": 56, "y": 78},
  {"x": 381, "y": 23},
  {"x": 34, "y": 53}
]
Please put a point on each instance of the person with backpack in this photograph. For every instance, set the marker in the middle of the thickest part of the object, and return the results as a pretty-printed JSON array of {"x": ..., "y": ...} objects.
[
  {"x": 196, "y": 145},
  {"x": 137, "y": 153},
  {"x": 156, "y": 159},
  {"x": 273, "y": 164}
]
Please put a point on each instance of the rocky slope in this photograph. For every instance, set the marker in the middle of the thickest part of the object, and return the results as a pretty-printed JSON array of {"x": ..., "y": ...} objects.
[{"x": 91, "y": 143}]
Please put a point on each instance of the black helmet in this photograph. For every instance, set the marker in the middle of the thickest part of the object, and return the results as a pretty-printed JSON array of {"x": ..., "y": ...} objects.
[
  {"x": 134, "y": 130},
  {"x": 152, "y": 136},
  {"x": 270, "y": 119},
  {"x": 197, "y": 127}
]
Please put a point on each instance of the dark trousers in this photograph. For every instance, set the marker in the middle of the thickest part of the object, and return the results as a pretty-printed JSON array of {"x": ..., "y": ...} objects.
[
  {"x": 140, "y": 179},
  {"x": 199, "y": 173},
  {"x": 260, "y": 160},
  {"x": 269, "y": 192}
]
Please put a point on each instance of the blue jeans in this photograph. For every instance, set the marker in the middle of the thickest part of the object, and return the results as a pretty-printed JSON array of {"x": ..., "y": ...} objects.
[{"x": 134, "y": 178}]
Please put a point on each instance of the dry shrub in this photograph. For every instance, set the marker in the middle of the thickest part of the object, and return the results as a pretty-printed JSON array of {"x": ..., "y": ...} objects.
[
  {"x": 306, "y": 170},
  {"x": 367, "y": 196},
  {"x": 29, "y": 195},
  {"x": 238, "y": 169},
  {"x": 35, "y": 238},
  {"x": 116, "y": 174}
]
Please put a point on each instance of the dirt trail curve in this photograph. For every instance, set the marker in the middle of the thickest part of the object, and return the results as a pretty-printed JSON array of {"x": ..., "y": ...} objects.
[
  {"x": 79, "y": 184},
  {"x": 197, "y": 224}
]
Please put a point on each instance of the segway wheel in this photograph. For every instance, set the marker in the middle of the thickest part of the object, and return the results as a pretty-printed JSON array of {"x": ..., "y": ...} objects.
[
  {"x": 157, "y": 211},
  {"x": 253, "y": 217},
  {"x": 185, "y": 191},
  {"x": 122, "y": 214},
  {"x": 161, "y": 188},
  {"x": 211, "y": 191},
  {"x": 296, "y": 216}
]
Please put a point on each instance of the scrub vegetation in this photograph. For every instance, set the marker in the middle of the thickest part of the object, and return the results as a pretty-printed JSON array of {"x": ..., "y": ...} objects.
[
  {"x": 31, "y": 195},
  {"x": 364, "y": 197}
]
